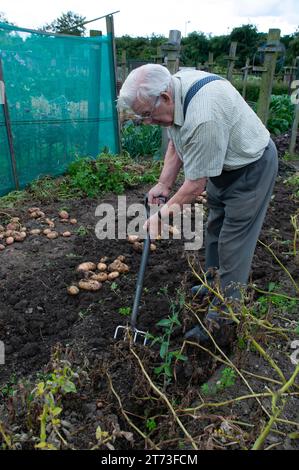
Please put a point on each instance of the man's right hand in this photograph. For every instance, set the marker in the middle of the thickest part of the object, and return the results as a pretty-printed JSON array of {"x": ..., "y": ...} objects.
[{"x": 160, "y": 189}]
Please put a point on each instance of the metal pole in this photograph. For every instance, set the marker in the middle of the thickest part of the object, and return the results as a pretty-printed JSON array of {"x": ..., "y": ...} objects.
[{"x": 8, "y": 130}]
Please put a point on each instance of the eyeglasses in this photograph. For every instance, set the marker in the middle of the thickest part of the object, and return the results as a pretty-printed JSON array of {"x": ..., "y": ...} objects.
[{"x": 148, "y": 115}]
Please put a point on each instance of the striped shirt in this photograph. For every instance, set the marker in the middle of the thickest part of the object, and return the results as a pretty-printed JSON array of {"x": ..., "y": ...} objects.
[{"x": 220, "y": 131}]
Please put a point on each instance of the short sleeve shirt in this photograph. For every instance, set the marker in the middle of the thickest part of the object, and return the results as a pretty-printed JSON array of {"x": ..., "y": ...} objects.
[{"x": 219, "y": 132}]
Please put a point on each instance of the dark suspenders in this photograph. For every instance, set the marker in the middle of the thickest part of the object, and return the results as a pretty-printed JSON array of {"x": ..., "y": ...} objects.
[{"x": 196, "y": 87}]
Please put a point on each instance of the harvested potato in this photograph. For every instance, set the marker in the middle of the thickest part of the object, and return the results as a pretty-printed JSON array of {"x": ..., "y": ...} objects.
[
  {"x": 19, "y": 236},
  {"x": 121, "y": 258},
  {"x": 52, "y": 235},
  {"x": 2, "y": 228},
  {"x": 12, "y": 226},
  {"x": 15, "y": 220},
  {"x": 173, "y": 230},
  {"x": 2, "y": 247},
  {"x": 117, "y": 265},
  {"x": 113, "y": 275},
  {"x": 101, "y": 277},
  {"x": 87, "y": 266},
  {"x": 46, "y": 231},
  {"x": 138, "y": 246},
  {"x": 1, "y": 236},
  {"x": 63, "y": 214},
  {"x": 9, "y": 240},
  {"x": 73, "y": 221},
  {"x": 153, "y": 247},
  {"x": 90, "y": 285},
  {"x": 104, "y": 259},
  {"x": 133, "y": 238},
  {"x": 33, "y": 215},
  {"x": 40, "y": 214},
  {"x": 35, "y": 231},
  {"x": 66, "y": 234},
  {"x": 33, "y": 209},
  {"x": 50, "y": 223},
  {"x": 73, "y": 290},
  {"x": 23, "y": 229},
  {"x": 102, "y": 267}
]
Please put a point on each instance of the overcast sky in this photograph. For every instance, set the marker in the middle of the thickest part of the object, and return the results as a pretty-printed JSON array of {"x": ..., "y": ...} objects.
[{"x": 143, "y": 18}]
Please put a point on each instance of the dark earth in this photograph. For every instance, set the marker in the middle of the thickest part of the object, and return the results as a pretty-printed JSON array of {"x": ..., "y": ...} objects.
[{"x": 38, "y": 317}]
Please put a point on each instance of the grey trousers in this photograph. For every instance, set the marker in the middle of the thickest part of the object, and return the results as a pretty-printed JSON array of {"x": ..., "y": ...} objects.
[{"x": 237, "y": 207}]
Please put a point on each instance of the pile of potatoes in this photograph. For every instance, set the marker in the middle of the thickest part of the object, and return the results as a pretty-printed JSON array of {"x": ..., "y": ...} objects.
[
  {"x": 95, "y": 274},
  {"x": 36, "y": 213},
  {"x": 137, "y": 245},
  {"x": 14, "y": 231}
]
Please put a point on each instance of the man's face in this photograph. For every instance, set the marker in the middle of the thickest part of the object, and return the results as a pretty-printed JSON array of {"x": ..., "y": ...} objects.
[{"x": 159, "y": 111}]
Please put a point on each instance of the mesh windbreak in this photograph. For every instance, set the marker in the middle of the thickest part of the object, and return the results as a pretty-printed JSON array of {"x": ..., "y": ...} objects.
[{"x": 60, "y": 93}]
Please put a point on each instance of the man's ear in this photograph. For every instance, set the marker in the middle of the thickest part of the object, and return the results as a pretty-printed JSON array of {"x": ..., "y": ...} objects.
[{"x": 166, "y": 97}]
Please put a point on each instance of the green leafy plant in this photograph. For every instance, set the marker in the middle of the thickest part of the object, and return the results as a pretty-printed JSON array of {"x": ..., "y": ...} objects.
[
  {"x": 151, "y": 424},
  {"x": 125, "y": 311},
  {"x": 141, "y": 140},
  {"x": 168, "y": 357},
  {"x": 48, "y": 394},
  {"x": 227, "y": 380},
  {"x": 281, "y": 114}
]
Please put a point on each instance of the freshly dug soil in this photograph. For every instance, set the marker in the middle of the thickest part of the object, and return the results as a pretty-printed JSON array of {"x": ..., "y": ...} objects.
[{"x": 36, "y": 313}]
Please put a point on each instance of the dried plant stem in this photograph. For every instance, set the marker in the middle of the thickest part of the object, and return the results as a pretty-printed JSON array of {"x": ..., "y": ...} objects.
[
  {"x": 146, "y": 438},
  {"x": 165, "y": 399}
]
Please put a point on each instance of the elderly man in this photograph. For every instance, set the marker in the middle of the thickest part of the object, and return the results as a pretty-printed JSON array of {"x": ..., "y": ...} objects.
[{"x": 213, "y": 134}]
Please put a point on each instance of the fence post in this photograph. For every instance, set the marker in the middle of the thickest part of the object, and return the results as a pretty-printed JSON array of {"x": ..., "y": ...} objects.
[
  {"x": 171, "y": 50},
  {"x": 211, "y": 62},
  {"x": 123, "y": 65},
  {"x": 268, "y": 72},
  {"x": 110, "y": 30},
  {"x": 8, "y": 128},
  {"x": 231, "y": 60},
  {"x": 245, "y": 76},
  {"x": 294, "y": 134}
]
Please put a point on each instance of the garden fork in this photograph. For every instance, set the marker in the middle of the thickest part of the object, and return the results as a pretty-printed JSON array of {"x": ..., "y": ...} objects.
[{"x": 139, "y": 285}]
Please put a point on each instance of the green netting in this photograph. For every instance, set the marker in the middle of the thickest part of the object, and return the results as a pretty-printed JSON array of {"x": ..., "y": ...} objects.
[{"x": 60, "y": 92}]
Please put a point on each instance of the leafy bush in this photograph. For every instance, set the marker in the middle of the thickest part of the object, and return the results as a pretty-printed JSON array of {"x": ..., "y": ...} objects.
[
  {"x": 141, "y": 140},
  {"x": 281, "y": 114},
  {"x": 109, "y": 173}
]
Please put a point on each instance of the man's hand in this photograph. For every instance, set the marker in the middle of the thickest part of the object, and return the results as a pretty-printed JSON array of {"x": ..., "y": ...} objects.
[{"x": 159, "y": 190}]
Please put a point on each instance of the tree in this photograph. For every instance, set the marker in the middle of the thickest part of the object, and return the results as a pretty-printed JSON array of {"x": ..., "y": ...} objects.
[
  {"x": 195, "y": 48},
  {"x": 248, "y": 39},
  {"x": 67, "y": 23}
]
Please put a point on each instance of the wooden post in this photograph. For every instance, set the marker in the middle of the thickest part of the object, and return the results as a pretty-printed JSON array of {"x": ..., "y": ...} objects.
[
  {"x": 210, "y": 62},
  {"x": 94, "y": 96},
  {"x": 123, "y": 65},
  {"x": 159, "y": 56},
  {"x": 292, "y": 148},
  {"x": 171, "y": 50},
  {"x": 231, "y": 60},
  {"x": 110, "y": 31},
  {"x": 8, "y": 129},
  {"x": 245, "y": 76},
  {"x": 268, "y": 72}
]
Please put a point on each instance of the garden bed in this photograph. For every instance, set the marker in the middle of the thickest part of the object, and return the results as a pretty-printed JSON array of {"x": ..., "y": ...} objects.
[{"x": 119, "y": 400}]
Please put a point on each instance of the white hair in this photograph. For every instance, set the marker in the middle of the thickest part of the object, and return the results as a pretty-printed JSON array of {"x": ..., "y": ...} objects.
[{"x": 144, "y": 83}]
